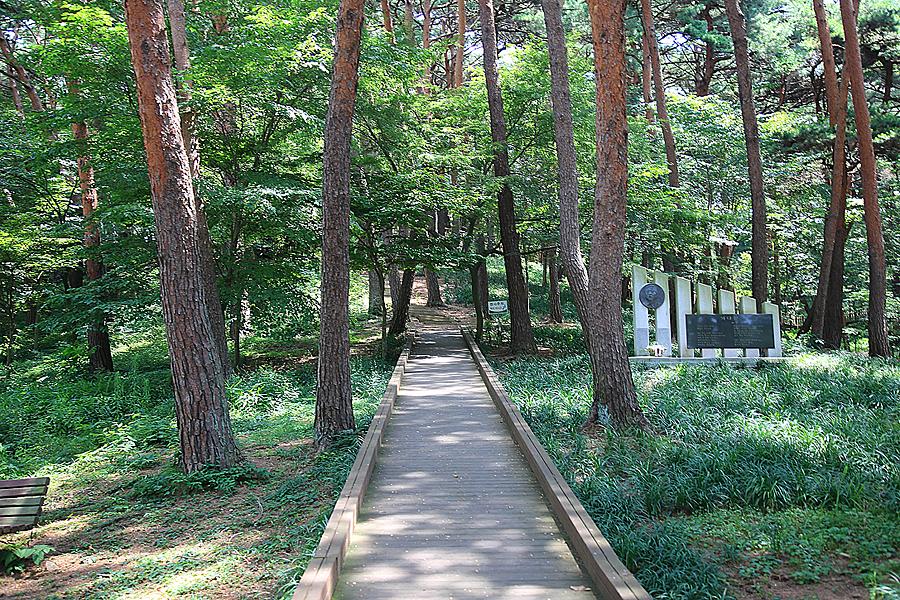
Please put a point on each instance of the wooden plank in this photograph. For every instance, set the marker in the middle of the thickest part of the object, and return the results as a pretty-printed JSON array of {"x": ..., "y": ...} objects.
[
  {"x": 22, "y": 492},
  {"x": 16, "y": 521},
  {"x": 320, "y": 577},
  {"x": 32, "y": 510},
  {"x": 22, "y": 501},
  {"x": 25, "y": 483},
  {"x": 607, "y": 572}
]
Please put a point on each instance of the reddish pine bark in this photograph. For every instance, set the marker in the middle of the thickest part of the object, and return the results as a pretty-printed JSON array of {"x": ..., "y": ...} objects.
[
  {"x": 646, "y": 78},
  {"x": 836, "y": 208},
  {"x": 6, "y": 50},
  {"x": 521, "y": 333},
  {"x": 201, "y": 407},
  {"x": 759, "y": 255},
  {"x": 100, "y": 359},
  {"x": 837, "y": 116},
  {"x": 833, "y": 327},
  {"x": 613, "y": 384},
  {"x": 386, "y": 16},
  {"x": 14, "y": 90},
  {"x": 659, "y": 91},
  {"x": 879, "y": 344},
  {"x": 334, "y": 408},
  {"x": 182, "y": 53},
  {"x": 460, "y": 43}
]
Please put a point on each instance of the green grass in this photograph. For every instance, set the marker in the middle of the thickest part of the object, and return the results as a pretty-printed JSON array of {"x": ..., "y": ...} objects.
[
  {"x": 741, "y": 458},
  {"x": 140, "y": 527}
]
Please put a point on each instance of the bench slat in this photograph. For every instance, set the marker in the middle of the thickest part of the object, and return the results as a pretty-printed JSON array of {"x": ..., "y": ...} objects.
[
  {"x": 30, "y": 482},
  {"x": 15, "y": 511},
  {"x": 21, "y": 503},
  {"x": 16, "y": 521},
  {"x": 33, "y": 492},
  {"x": 32, "y": 501}
]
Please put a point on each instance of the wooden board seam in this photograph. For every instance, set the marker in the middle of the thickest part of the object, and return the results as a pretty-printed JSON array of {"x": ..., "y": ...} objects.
[
  {"x": 321, "y": 574},
  {"x": 608, "y": 573}
]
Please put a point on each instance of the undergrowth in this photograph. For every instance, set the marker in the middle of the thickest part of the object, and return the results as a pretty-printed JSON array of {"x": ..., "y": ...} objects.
[
  {"x": 742, "y": 456},
  {"x": 109, "y": 444}
]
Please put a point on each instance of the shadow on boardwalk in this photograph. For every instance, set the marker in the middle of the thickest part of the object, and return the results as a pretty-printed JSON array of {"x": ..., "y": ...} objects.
[{"x": 453, "y": 511}]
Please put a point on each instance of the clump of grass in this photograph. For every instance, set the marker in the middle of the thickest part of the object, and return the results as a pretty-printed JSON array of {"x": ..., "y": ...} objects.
[
  {"x": 172, "y": 482},
  {"x": 565, "y": 341},
  {"x": 819, "y": 440}
]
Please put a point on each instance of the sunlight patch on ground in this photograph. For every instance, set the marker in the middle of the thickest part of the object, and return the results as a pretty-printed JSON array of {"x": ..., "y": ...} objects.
[
  {"x": 821, "y": 362},
  {"x": 171, "y": 573}
]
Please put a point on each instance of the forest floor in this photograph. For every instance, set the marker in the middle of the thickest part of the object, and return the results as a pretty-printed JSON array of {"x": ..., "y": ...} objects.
[{"x": 247, "y": 537}]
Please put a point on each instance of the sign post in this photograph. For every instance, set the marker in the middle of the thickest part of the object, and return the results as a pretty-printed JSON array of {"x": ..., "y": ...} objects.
[{"x": 498, "y": 308}]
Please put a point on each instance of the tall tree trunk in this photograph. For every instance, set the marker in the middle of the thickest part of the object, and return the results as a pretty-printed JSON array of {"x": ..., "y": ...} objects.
[
  {"x": 394, "y": 285},
  {"x": 555, "y": 304},
  {"x": 182, "y": 53},
  {"x": 615, "y": 386},
  {"x": 432, "y": 283},
  {"x": 759, "y": 255},
  {"x": 100, "y": 360},
  {"x": 837, "y": 116},
  {"x": 426, "y": 42},
  {"x": 660, "y": 92},
  {"x": 704, "y": 78},
  {"x": 483, "y": 291},
  {"x": 401, "y": 311},
  {"x": 6, "y": 50},
  {"x": 836, "y": 206},
  {"x": 388, "y": 24},
  {"x": 828, "y": 65},
  {"x": 833, "y": 329},
  {"x": 433, "y": 286},
  {"x": 408, "y": 21},
  {"x": 376, "y": 292},
  {"x": 879, "y": 344},
  {"x": 646, "y": 78},
  {"x": 460, "y": 43},
  {"x": 597, "y": 294},
  {"x": 522, "y": 335},
  {"x": 474, "y": 276},
  {"x": 14, "y": 90},
  {"x": 201, "y": 405},
  {"x": 334, "y": 408}
]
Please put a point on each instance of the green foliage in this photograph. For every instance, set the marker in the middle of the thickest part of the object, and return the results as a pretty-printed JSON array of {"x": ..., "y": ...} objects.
[
  {"x": 889, "y": 590},
  {"x": 564, "y": 340},
  {"x": 742, "y": 456},
  {"x": 172, "y": 482},
  {"x": 50, "y": 418},
  {"x": 15, "y": 559}
]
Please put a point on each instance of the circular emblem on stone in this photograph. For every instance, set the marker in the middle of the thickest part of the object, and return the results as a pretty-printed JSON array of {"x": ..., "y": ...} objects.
[{"x": 652, "y": 295}]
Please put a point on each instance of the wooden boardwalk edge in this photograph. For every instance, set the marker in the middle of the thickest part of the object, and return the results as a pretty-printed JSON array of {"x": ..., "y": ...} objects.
[
  {"x": 321, "y": 574},
  {"x": 611, "y": 579}
]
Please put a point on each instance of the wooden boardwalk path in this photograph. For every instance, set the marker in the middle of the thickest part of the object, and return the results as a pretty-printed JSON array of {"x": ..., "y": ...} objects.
[{"x": 453, "y": 510}]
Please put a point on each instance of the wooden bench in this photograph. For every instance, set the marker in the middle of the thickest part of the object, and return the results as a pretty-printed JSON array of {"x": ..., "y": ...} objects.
[{"x": 20, "y": 503}]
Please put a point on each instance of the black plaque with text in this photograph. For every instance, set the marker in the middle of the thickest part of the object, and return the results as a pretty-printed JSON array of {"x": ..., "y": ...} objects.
[{"x": 730, "y": 331}]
